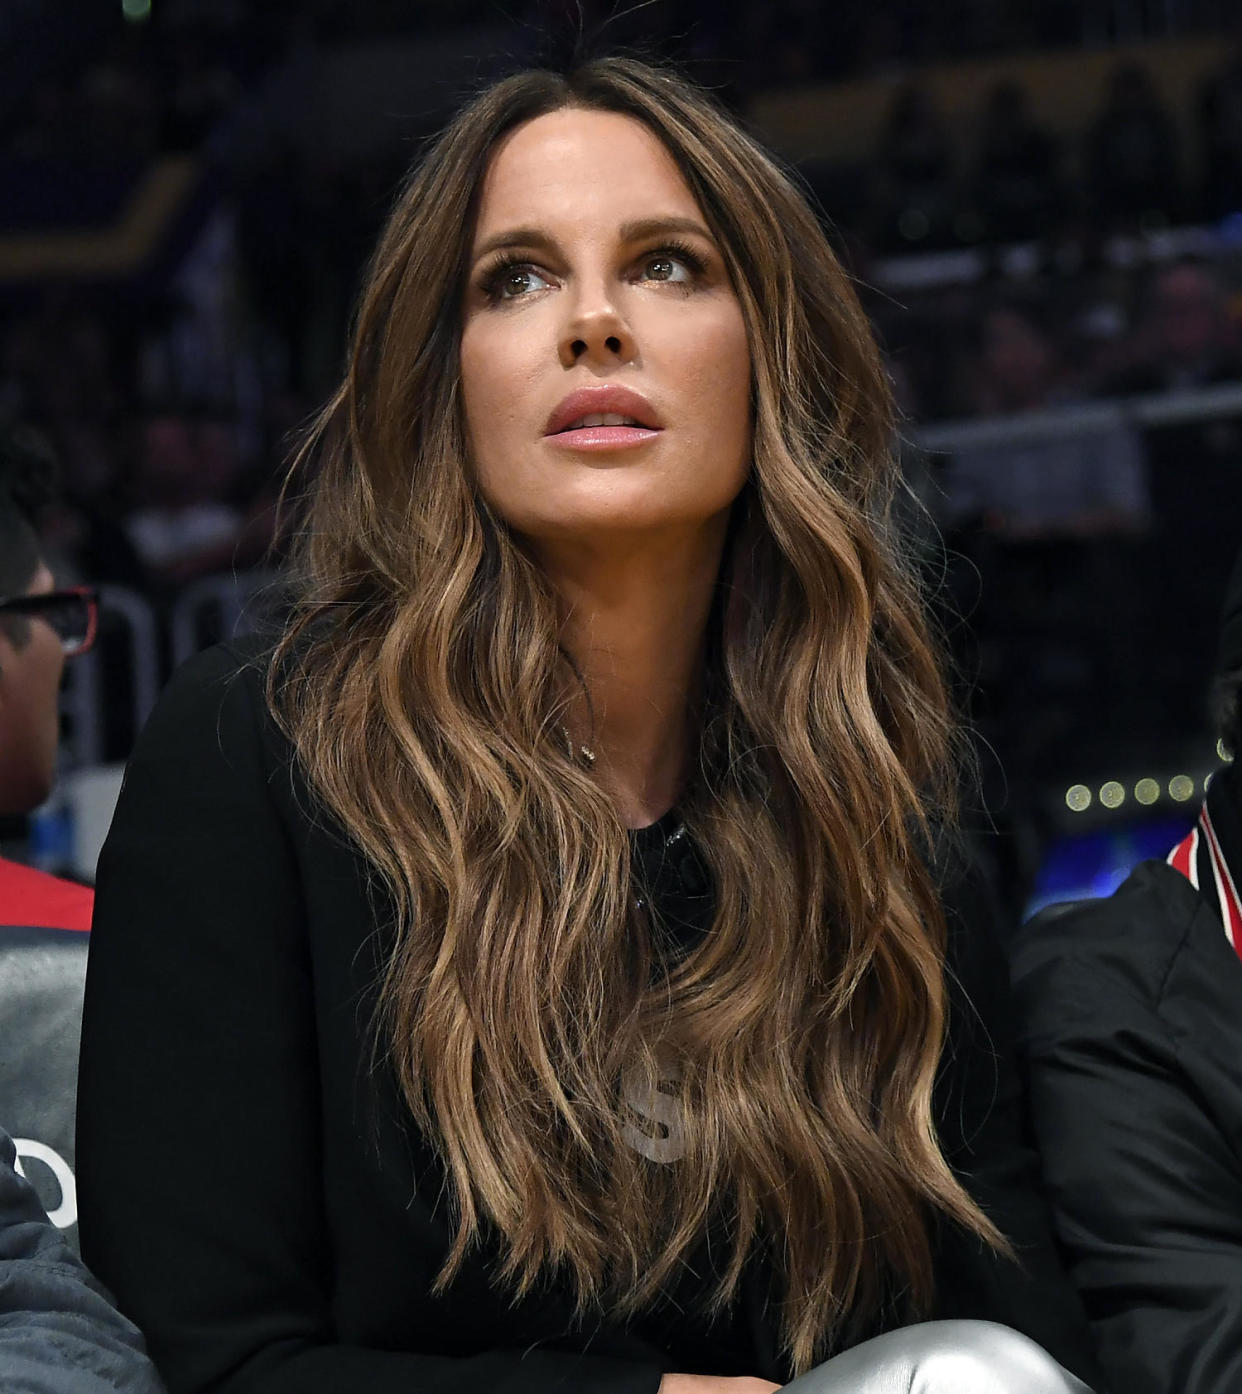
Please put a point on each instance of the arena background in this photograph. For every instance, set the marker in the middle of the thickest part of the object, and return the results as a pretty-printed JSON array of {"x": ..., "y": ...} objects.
[{"x": 1041, "y": 201}]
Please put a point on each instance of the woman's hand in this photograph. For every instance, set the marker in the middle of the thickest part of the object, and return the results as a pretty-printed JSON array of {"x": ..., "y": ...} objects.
[{"x": 714, "y": 1384}]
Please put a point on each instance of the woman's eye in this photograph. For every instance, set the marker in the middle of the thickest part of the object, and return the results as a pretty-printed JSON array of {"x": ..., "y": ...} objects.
[
  {"x": 664, "y": 267},
  {"x": 512, "y": 282}
]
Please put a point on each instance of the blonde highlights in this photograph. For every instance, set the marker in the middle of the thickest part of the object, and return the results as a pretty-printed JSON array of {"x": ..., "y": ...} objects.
[{"x": 422, "y": 686}]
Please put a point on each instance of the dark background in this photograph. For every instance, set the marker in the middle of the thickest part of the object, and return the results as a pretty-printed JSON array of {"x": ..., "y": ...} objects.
[{"x": 1042, "y": 203}]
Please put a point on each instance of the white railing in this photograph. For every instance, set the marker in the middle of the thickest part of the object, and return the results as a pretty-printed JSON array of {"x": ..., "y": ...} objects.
[
  {"x": 1019, "y": 261},
  {"x": 83, "y": 700},
  {"x": 225, "y": 606},
  {"x": 1085, "y": 418}
]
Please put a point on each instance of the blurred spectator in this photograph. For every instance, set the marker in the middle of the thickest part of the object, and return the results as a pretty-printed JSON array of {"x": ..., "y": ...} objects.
[
  {"x": 1186, "y": 338},
  {"x": 199, "y": 86},
  {"x": 49, "y": 128},
  {"x": 1015, "y": 179},
  {"x": 1132, "y": 157},
  {"x": 185, "y": 526},
  {"x": 57, "y": 363},
  {"x": 1045, "y": 510},
  {"x": 913, "y": 197},
  {"x": 117, "y": 113},
  {"x": 1220, "y": 124},
  {"x": 1089, "y": 482},
  {"x": 1185, "y": 341}
]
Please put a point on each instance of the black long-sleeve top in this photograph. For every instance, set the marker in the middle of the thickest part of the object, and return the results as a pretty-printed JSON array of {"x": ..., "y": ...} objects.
[{"x": 249, "y": 1184}]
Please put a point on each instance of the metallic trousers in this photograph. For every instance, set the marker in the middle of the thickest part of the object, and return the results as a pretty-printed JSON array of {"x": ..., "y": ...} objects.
[{"x": 942, "y": 1357}]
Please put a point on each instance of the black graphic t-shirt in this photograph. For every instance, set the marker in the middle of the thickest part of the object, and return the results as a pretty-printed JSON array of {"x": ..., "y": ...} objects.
[{"x": 674, "y": 885}]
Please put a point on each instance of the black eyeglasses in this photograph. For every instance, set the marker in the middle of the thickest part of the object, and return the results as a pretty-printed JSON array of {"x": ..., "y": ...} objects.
[{"x": 72, "y": 613}]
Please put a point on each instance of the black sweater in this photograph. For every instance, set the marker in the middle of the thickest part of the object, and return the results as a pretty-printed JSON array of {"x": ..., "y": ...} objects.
[{"x": 249, "y": 1186}]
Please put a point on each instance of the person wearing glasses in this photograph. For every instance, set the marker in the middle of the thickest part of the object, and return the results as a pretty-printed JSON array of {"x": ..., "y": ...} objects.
[
  {"x": 40, "y": 627},
  {"x": 59, "y": 1332}
]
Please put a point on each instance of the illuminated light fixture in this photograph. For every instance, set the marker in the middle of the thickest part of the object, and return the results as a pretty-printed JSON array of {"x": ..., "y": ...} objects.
[
  {"x": 1078, "y": 798},
  {"x": 1181, "y": 788},
  {"x": 1147, "y": 791},
  {"x": 136, "y": 11},
  {"x": 1223, "y": 752},
  {"x": 1112, "y": 795},
  {"x": 1207, "y": 780}
]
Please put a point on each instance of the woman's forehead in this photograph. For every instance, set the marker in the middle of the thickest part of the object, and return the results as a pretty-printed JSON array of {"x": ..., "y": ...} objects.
[{"x": 576, "y": 167}]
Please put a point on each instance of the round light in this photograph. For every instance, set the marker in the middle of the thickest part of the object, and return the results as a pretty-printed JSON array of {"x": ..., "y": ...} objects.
[
  {"x": 1181, "y": 788},
  {"x": 1112, "y": 795},
  {"x": 1147, "y": 791},
  {"x": 1078, "y": 798},
  {"x": 1223, "y": 752},
  {"x": 1207, "y": 780}
]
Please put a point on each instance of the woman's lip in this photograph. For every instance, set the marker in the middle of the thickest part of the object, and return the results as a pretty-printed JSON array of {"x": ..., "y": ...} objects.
[
  {"x": 611, "y": 399},
  {"x": 603, "y": 437}
]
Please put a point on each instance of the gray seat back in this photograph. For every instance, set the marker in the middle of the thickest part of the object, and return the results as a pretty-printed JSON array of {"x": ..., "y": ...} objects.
[{"x": 42, "y": 973}]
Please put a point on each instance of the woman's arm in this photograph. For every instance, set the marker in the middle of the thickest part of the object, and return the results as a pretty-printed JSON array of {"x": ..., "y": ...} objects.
[{"x": 199, "y": 1131}]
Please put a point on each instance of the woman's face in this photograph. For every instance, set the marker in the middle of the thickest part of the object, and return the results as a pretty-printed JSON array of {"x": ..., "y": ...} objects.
[{"x": 604, "y": 359}]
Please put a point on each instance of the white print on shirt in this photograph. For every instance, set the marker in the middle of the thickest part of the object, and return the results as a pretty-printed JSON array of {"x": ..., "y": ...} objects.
[
  {"x": 657, "y": 1101},
  {"x": 66, "y": 1213}
]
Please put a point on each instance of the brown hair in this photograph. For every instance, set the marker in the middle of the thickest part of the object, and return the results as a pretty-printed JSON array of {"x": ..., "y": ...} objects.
[{"x": 422, "y": 687}]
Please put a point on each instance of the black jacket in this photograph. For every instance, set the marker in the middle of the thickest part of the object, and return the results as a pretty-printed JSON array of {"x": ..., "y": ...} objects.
[
  {"x": 1130, "y": 1015},
  {"x": 249, "y": 1185}
]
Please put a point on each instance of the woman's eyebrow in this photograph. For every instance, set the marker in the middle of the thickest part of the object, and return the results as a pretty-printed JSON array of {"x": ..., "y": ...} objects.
[
  {"x": 641, "y": 228},
  {"x": 534, "y": 238},
  {"x": 637, "y": 230}
]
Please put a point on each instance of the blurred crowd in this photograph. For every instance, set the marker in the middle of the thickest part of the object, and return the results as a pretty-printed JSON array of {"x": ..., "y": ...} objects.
[
  {"x": 1013, "y": 180},
  {"x": 1002, "y": 344},
  {"x": 171, "y": 398}
]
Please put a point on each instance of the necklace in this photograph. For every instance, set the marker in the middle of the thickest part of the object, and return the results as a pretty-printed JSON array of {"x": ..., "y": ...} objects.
[{"x": 583, "y": 754}]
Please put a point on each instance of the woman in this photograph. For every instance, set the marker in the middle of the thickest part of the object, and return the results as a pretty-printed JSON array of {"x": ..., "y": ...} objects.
[{"x": 527, "y": 977}]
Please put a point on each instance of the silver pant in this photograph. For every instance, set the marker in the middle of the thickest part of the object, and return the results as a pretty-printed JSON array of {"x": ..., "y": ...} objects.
[{"x": 942, "y": 1357}]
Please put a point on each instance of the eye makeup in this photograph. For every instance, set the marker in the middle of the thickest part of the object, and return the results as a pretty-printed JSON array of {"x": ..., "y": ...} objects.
[{"x": 492, "y": 277}]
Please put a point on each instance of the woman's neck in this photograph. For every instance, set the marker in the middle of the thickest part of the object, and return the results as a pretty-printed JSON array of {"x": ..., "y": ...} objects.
[{"x": 635, "y": 624}]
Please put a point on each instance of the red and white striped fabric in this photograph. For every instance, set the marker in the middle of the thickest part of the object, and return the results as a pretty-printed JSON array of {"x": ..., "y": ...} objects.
[{"x": 1199, "y": 856}]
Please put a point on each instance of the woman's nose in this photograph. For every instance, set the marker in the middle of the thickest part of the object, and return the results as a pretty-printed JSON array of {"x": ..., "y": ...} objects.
[{"x": 595, "y": 329}]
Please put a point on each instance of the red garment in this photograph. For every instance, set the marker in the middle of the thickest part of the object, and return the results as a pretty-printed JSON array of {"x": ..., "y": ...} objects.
[
  {"x": 35, "y": 900},
  {"x": 1201, "y": 860}
]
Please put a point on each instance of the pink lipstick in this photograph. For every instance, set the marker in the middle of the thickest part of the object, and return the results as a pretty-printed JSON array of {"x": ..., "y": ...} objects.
[{"x": 608, "y": 417}]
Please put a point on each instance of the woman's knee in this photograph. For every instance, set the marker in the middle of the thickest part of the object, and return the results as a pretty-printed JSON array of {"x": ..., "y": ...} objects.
[
  {"x": 943, "y": 1357},
  {"x": 991, "y": 1359}
]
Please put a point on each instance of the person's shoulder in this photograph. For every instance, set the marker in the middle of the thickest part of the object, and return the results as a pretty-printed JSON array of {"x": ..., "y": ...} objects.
[
  {"x": 215, "y": 701},
  {"x": 32, "y": 899},
  {"x": 236, "y": 670},
  {"x": 1129, "y": 939},
  {"x": 245, "y": 660}
]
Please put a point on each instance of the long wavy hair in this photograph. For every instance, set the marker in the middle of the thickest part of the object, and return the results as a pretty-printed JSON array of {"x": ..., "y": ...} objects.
[{"x": 421, "y": 683}]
